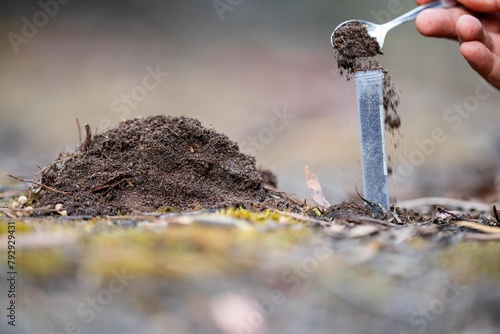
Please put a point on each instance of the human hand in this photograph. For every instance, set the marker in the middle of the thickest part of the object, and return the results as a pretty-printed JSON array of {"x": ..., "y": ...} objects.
[{"x": 476, "y": 27}]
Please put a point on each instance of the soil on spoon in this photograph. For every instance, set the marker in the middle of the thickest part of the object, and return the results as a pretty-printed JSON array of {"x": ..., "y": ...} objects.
[{"x": 353, "y": 45}]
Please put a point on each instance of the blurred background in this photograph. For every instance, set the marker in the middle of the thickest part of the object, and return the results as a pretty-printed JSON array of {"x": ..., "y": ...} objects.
[{"x": 261, "y": 72}]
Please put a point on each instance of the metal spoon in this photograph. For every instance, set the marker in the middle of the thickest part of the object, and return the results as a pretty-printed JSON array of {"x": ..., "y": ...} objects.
[{"x": 378, "y": 31}]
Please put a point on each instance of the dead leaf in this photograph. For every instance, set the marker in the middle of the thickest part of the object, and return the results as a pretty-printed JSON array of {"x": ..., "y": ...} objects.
[
  {"x": 315, "y": 189},
  {"x": 10, "y": 213}
]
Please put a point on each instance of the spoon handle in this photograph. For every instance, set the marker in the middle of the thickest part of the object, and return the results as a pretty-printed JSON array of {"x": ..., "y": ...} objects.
[{"x": 412, "y": 14}]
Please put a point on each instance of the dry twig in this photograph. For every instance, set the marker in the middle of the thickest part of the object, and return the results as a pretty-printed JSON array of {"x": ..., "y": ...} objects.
[
  {"x": 478, "y": 227},
  {"x": 303, "y": 218},
  {"x": 79, "y": 130},
  {"x": 282, "y": 193},
  {"x": 495, "y": 213},
  {"x": 38, "y": 184},
  {"x": 110, "y": 186},
  {"x": 88, "y": 136},
  {"x": 369, "y": 220}
]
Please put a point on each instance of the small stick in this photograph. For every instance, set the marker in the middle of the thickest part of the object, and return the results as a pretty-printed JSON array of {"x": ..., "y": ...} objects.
[
  {"x": 369, "y": 220},
  {"x": 281, "y": 193},
  {"x": 454, "y": 216},
  {"x": 478, "y": 227},
  {"x": 88, "y": 136},
  {"x": 9, "y": 213},
  {"x": 395, "y": 215},
  {"x": 380, "y": 207},
  {"x": 38, "y": 184},
  {"x": 371, "y": 204},
  {"x": 42, "y": 170},
  {"x": 303, "y": 218},
  {"x": 496, "y": 213},
  {"x": 79, "y": 130},
  {"x": 111, "y": 185}
]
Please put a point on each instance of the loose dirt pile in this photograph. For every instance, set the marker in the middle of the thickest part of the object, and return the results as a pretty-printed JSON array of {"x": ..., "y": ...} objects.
[
  {"x": 354, "y": 52},
  {"x": 154, "y": 163}
]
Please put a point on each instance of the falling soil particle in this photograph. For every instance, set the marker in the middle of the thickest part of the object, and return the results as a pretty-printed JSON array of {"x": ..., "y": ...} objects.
[
  {"x": 354, "y": 52},
  {"x": 154, "y": 163}
]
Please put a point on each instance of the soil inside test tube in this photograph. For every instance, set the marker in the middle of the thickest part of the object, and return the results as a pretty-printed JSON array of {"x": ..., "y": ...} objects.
[{"x": 355, "y": 50}]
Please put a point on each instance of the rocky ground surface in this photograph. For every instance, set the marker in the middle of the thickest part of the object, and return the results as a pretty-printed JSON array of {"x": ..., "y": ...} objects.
[{"x": 430, "y": 268}]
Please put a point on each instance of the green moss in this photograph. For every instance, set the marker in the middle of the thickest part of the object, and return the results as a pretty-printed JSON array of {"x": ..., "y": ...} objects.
[
  {"x": 176, "y": 251},
  {"x": 173, "y": 252},
  {"x": 21, "y": 227},
  {"x": 474, "y": 260},
  {"x": 258, "y": 217},
  {"x": 316, "y": 211},
  {"x": 43, "y": 263},
  {"x": 186, "y": 250},
  {"x": 167, "y": 209}
]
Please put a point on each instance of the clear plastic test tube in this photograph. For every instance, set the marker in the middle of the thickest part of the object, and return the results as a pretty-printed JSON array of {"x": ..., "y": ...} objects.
[{"x": 371, "y": 119}]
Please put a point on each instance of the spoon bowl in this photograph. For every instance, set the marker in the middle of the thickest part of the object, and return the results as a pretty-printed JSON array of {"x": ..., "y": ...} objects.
[{"x": 379, "y": 31}]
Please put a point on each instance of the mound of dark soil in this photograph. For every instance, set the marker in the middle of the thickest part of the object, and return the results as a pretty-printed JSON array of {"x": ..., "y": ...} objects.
[{"x": 153, "y": 163}]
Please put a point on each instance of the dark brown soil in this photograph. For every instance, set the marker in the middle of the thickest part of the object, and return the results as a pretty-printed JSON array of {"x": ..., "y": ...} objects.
[
  {"x": 154, "y": 163},
  {"x": 352, "y": 43},
  {"x": 354, "y": 52}
]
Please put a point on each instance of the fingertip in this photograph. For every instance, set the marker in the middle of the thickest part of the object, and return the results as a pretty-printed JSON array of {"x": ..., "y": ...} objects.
[
  {"x": 469, "y": 28},
  {"x": 479, "y": 57},
  {"x": 439, "y": 22},
  {"x": 429, "y": 23}
]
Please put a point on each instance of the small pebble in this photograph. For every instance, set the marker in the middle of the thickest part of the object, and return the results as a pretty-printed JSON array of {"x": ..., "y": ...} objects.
[
  {"x": 58, "y": 207},
  {"x": 15, "y": 205},
  {"x": 63, "y": 213},
  {"x": 22, "y": 200}
]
